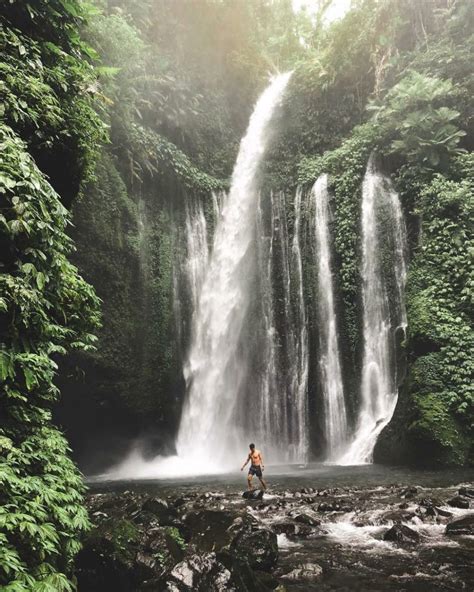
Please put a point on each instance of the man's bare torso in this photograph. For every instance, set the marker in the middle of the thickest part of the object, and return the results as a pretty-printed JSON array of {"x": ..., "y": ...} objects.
[{"x": 255, "y": 458}]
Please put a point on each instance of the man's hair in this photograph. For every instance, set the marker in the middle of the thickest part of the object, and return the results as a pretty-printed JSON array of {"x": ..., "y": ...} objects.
[{"x": 252, "y": 445}]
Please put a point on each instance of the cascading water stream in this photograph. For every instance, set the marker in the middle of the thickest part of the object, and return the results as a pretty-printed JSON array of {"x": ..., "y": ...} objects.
[
  {"x": 300, "y": 365},
  {"x": 197, "y": 249},
  {"x": 379, "y": 391},
  {"x": 215, "y": 370},
  {"x": 282, "y": 415},
  {"x": 335, "y": 417}
]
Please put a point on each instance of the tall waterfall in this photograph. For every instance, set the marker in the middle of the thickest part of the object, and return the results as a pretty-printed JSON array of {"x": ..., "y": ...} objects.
[
  {"x": 216, "y": 369},
  {"x": 335, "y": 417},
  {"x": 379, "y": 392}
]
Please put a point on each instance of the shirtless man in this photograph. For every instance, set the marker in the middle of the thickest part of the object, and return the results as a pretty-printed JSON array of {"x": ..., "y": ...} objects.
[{"x": 256, "y": 466}]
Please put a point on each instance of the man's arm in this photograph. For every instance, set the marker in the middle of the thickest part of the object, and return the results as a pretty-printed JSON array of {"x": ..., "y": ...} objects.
[
  {"x": 261, "y": 460},
  {"x": 243, "y": 466}
]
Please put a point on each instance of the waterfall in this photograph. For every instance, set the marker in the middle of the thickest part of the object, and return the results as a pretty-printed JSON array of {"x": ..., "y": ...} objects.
[
  {"x": 299, "y": 366},
  {"x": 335, "y": 417},
  {"x": 282, "y": 416},
  {"x": 216, "y": 369},
  {"x": 379, "y": 389},
  {"x": 197, "y": 250}
]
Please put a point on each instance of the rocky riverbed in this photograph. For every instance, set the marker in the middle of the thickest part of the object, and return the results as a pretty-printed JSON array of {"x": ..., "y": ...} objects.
[{"x": 379, "y": 538}]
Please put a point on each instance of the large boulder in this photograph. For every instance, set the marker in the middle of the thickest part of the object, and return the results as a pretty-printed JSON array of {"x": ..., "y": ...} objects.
[
  {"x": 399, "y": 533},
  {"x": 459, "y": 501},
  {"x": 107, "y": 559},
  {"x": 304, "y": 571},
  {"x": 467, "y": 491},
  {"x": 292, "y": 529},
  {"x": 305, "y": 517},
  {"x": 212, "y": 530},
  {"x": 259, "y": 548},
  {"x": 200, "y": 573},
  {"x": 463, "y": 525}
]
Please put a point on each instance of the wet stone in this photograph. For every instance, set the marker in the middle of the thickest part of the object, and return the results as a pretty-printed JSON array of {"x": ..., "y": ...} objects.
[
  {"x": 461, "y": 526},
  {"x": 304, "y": 571},
  {"x": 399, "y": 533},
  {"x": 329, "y": 507},
  {"x": 459, "y": 502},
  {"x": 202, "y": 572},
  {"x": 259, "y": 548},
  {"x": 435, "y": 511},
  {"x": 305, "y": 517},
  {"x": 255, "y": 494},
  {"x": 292, "y": 529},
  {"x": 409, "y": 492},
  {"x": 467, "y": 491}
]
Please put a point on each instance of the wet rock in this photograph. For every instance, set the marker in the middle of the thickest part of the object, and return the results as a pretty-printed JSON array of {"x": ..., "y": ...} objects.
[
  {"x": 435, "y": 511},
  {"x": 259, "y": 548},
  {"x": 156, "y": 505},
  {"x": 304, "y": 571},
  {"x": 292, "y": 529},
  {"x": 108, "y": 557},
  {"x": 463, "y": 525},
  {"x": 329, "y": 507},
  {"x": 409, "y": 492},
  {"x": 255, "y": 494},
  {"x": 459, "y": 502},
  {"x": 201, "y": 573},
  {"x": 210, "y": 530},
  {"x": 305, "y": 517},
  {"x": 428, "y": 502},
  {"x": 157, "y": 508},
  {"x": 467, "y": 491},
  {"x": 403, "y": 505},
  {"x": 165, "y": 544},
  {"x": 395, "y": 515},
  {"x": 399, "y": 533}
]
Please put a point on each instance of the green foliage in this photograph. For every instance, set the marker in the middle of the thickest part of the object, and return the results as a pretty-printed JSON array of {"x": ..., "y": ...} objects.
[
  {"x": 46, "y": 309},
  {"x": 439, "y": 303},
  {"x": 177, "y": 537},
  {"x": 157, "y": 156},
  {"x": 416, "y": 115},
  {"x": 48, "y": 89}
]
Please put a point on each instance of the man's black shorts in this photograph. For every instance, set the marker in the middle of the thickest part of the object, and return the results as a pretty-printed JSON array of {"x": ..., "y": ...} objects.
[{"x": 255, "y": 470}]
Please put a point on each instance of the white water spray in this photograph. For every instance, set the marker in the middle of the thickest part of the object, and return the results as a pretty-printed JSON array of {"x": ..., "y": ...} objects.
[
  {"x": 335, "y": 417},
  {"x": 379, "y": 390}
]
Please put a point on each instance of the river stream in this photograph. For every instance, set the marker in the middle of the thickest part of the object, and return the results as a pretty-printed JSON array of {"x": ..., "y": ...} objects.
[{"x": 332, "y": 522}]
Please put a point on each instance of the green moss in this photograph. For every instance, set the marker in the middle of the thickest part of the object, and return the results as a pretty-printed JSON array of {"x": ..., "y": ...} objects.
[
  {"x": 436, "y": 436},
  {"x": 177, "y": 537},
  {"x": 123, "y": 535}
]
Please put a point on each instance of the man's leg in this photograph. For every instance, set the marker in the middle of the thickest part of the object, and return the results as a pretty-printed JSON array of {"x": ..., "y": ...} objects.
[
  {"x": 249, "y": 481},
  {"x": 264, "y": 485}
]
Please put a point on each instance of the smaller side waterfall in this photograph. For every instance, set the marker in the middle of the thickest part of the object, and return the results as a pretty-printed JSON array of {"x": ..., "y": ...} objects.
[
  {"x": 197, "y": 249},
  {"x": 335, "y": 417},
  {"x": 300, "y": 368},
  {"x": 282, "y": 382},
  {"x": 380, "y": 210}
]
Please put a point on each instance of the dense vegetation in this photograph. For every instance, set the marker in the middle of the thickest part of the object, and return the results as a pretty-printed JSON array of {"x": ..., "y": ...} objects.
[
  {"x": 46, "y": 308},
  {"x": 115, "y": 116}
]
